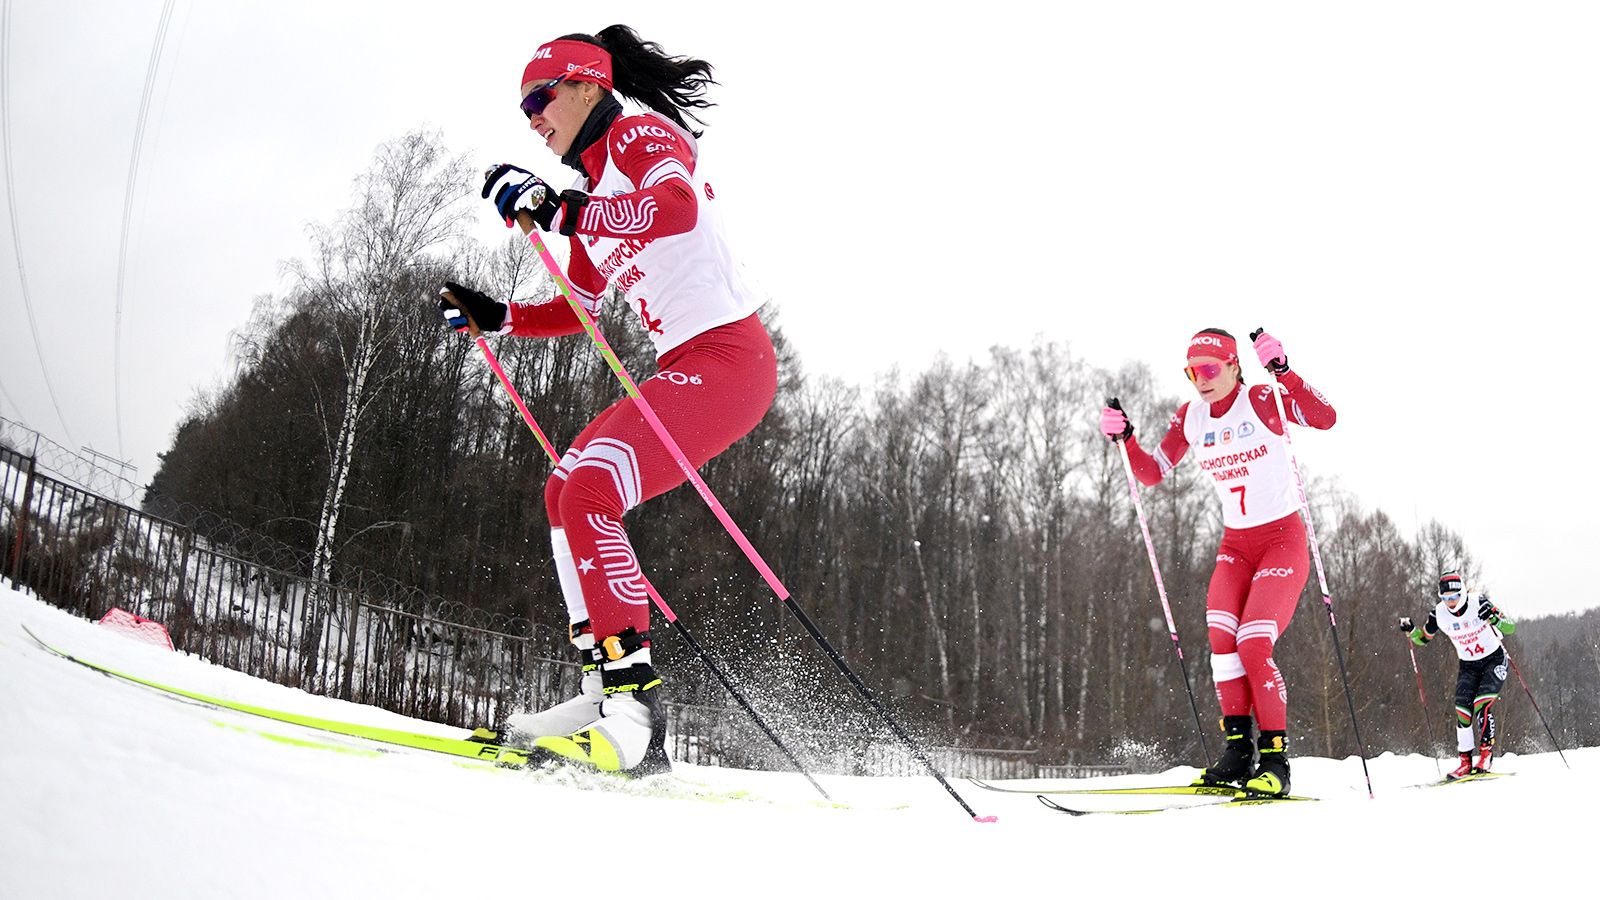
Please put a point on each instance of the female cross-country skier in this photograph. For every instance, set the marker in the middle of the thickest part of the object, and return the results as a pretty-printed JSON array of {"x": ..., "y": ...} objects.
[
  {"x": 1237, "y": 439},
  {"x": 1474, "y": 626},
  {"x": 641, "y": 219}
]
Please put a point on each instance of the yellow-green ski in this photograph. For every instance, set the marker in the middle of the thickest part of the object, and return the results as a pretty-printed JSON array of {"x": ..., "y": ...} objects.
[
  {"x": 1235, "y": 801},
  {"x": 488, "y": 752}
]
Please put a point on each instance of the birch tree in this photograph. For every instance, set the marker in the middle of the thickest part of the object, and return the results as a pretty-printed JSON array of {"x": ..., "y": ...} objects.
[{"x": 408, "y": 205}]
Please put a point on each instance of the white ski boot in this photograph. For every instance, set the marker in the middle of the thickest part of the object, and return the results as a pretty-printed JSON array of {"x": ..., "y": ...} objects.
[
  {"x": 630, "y": 733},
  {"x": 522, "y": 729}
]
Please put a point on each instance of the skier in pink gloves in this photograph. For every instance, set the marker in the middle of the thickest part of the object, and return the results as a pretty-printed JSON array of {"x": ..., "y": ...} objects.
[{"x": 1237, "y": 438}]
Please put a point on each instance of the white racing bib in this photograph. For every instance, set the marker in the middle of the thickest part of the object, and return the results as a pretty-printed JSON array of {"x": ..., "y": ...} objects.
[
  {"x": 1248, "y": 465},
  {"x": 1473, "y": 637},
  {"x": 682, "y": 285}
]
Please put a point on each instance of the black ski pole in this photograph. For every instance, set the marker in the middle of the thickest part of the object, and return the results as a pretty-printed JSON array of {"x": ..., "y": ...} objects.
[
  {"x": 1161, "y": 588},
  {"x": 1536, "y": 709},
  {"x": 1322, "y": 578},
  {"x": 661, "y": 603}
]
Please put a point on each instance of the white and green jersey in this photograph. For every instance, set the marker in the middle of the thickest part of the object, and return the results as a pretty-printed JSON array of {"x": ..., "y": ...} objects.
[{"x": 1473, "y": 636}]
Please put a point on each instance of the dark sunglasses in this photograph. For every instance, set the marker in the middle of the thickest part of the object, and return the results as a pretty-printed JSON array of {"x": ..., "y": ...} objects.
[
  {"x": 543, "y": 95},
  {"x": 1208, "y": 371}
]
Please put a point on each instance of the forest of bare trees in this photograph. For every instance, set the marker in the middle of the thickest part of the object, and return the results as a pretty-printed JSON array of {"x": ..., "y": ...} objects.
[{"x": 963, "y": 534}]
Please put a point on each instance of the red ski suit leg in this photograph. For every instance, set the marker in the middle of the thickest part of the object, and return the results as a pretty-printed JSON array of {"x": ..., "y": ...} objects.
[
  {"x": 1260, "y": 573},
  {"x": 708, "y": 392}
]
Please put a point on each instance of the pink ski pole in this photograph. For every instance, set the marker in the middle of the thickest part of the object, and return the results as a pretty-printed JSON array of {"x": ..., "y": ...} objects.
[
  {"x": 655, "y": 596},
  {"x": 529, "y": 227},
  {"x": 1161, "y": 588},
  {"x": 1322, "y": 579}
]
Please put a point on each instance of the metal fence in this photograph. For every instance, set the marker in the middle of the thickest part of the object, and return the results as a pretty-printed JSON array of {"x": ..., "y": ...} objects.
[
  {"x": 364, "y": 639},
  {"x": 242, "y": 601}
]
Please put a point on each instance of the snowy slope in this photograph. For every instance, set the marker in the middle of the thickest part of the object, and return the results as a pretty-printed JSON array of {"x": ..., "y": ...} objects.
[{"x": 112, "y": 790}]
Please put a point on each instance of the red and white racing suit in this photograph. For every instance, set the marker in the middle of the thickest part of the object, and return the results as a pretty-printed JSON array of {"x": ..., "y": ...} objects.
[
  {"x": 649, "y": 230},
  {"x": 1261, "y": 565}
]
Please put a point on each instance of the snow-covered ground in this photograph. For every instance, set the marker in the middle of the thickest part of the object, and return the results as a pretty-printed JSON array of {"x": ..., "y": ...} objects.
[{"x": 110, "y": 790}]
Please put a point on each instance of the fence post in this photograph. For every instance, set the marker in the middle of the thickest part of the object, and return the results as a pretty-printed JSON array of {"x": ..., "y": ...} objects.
[
  {"x": 22, "y": 515},
  {"x": 182, "y": 610}
]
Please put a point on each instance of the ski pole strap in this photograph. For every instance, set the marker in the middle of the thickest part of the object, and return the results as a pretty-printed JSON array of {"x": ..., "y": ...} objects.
[{"x": 572, "y": 204}]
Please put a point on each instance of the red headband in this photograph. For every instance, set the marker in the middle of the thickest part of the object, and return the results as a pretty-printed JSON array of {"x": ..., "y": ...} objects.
[
  {"x": 1216, "y": 346},
  {"x": 578, "y": 60}
]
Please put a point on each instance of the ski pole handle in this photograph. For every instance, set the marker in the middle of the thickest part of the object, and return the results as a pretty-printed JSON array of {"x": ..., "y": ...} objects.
[
  {"x": 472, "y": 327},
  {"x": 525, "y": 221},
  {"x": 1109, "y": 420}
]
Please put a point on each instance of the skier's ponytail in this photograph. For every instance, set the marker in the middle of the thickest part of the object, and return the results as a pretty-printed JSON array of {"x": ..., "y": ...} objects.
[{"x": 670, "y": 85}]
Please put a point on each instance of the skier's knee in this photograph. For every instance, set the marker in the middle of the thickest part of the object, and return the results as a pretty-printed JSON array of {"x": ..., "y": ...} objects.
[
  {"x": 552, "y": 497},
  {"x": 1255, "y": 657},
  {"x": 589, "y": 491},
  {"x": 555, "y": 486},
  {"x": 604, "y": 479},
  {"x": 1257, "y": 637}
]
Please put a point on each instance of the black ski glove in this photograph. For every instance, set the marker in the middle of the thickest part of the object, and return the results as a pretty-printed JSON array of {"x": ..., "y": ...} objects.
[
  {"x": 488, "y": 313},
  {"x": 1406, "y": 627}
]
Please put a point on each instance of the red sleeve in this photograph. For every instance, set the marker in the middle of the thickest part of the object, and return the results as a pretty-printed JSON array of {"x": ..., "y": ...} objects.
[
  {"x": 1304, "y": 404},
  {"x": 1151, "y": 468},
  {"x": 585, "y": 280},
  {"x": 658, "y": 159},
  {"x": 548, "y": 318},
  {"x": 554, "y": 317}
]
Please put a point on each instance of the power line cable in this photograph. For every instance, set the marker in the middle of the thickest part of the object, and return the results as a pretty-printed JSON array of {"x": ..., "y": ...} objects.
[
  {"x": 11, "y": 208},
  {"x": 127, "y": 210}
]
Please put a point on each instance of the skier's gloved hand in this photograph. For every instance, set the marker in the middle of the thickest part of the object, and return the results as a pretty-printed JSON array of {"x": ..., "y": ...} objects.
[
  {"x": 1406, "y": 626},
  {"x": 511, "y": 188},
  {"x": 1270, "y": 351},
  {"x": 1114, "y": 422},
  {"x": 487, "y": 312},
  {"x": 1487, "y": 611}
]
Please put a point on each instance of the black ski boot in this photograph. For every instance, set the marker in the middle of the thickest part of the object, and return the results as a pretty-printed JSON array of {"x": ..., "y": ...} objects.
[
  {"x": 1238, "y": 757},
  {"x": 1272, "y": 775}
]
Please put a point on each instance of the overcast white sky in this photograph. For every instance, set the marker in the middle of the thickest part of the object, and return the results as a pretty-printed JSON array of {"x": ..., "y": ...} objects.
[{"x": 1405, "y": 193}]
